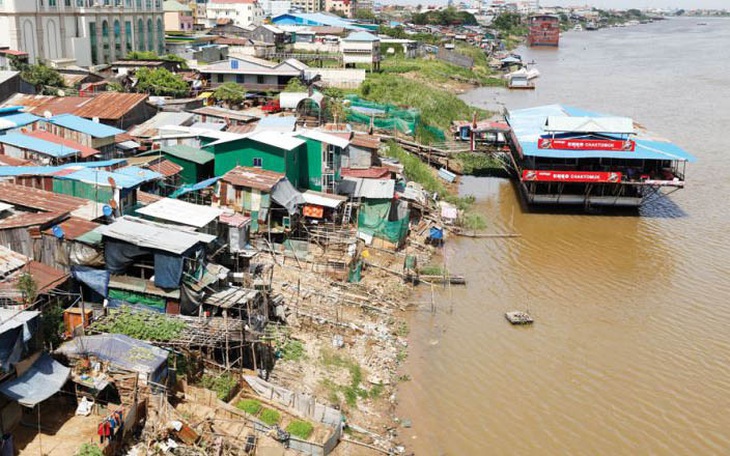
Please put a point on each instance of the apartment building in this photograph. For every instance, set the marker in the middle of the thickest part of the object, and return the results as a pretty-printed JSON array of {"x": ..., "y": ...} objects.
[{"x": 238, "y": 12}]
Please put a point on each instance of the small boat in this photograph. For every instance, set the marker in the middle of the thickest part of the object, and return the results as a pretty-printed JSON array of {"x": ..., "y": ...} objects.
[
  {"x": 591, "y": 26},
  {"x": 517, "y": 317},
  {"x": 519, "y": 81},
  {"x": 578, "y": 28}
]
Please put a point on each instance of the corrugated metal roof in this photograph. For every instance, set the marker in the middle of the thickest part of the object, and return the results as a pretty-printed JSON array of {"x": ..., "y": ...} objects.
[
  {"x": 243, "y": 128},
  {"x": 40, "y": 200},
  {"x": 365, "y": 141},
  {"x": 153, "y": 235},
  {"x": 147, "y": 198},
  {"x": 129, "y": 177},
  {"x": 223, "y": 113},
  {"x": 527, "y": 125},
  {"x": 152, "y": 126},
  {"x": 85, "y": 151},
  {"x": 617, "y": 125},
  {"x": 165, "y": 167},
  {"x": 10, "y": 261},
  {"x": 260, "y": 179},
  {"x": 367, "y": 188},
  {"x": 111, "y": 105},
  {"x": 279, "y": 140},
  {"x": 74, "y": 227},
  {"x": 24, "y": 219},
  {"x": 361, "y": 36},
  {"x": 189, "y": 153},
  {"x": 12, "y": 161},
  {"x": 373, "y": 172},
  {"x": 208, "y": 126},
  {"x": 324, "y": 138},
  {"x": 182, "y": 212},
  {"x": 11, "y": 318},
  {"x": 235, "y": 219},
  {"x": 323, "y": 199},
  {"x": 5, "y": 207},
  {"x": 40, "y": 146},
  {"x": 76, "y": 123},
  {"x": 16, "y": 120}
]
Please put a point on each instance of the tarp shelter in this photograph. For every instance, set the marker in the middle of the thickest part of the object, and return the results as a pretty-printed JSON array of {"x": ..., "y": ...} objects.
[
  {"x": 42, "y": 380},
  {"x": 122, "y": 352},
  {"x": 16, "y": 330},
  {"x": 384, "y": 219}
]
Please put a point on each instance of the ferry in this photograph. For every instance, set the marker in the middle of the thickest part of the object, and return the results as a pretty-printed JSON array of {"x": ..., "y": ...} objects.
[{"x": 563, "y": 155}]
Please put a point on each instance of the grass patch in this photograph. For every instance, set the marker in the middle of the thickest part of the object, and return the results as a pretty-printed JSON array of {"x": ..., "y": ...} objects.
[
  {"x": 351, "y": 392},
  {"x": 402, "y": 329},
  {"x": 432, "y": 270},
  {"x": 270, "y": 416},
  {"x": 300, "y": 428},
  {"x": 223, "y": 385},
  {"x": 479, "y": 164},
  {"x": 293, "y": 350},
  {"x": 250, "y": 406},
  {"x": 473, "y": 222}
]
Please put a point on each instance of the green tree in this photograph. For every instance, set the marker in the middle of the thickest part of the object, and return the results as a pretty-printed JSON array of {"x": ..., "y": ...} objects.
[
  {"x": 151, "y": 55},
  {"x": 365, "y": 15},
  {"x": 45, "y": 79},
  {"x": 230, "y": 93},
  {"x": 295, "y": 85},
  {"x": 28, "y": 288},
  {"x": 161, "y": 82}
]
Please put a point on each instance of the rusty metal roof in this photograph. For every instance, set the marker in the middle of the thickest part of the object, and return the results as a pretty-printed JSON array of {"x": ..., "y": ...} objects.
[
  {"x": 37, "y": 199},
  {"x": 46, "y": 278},
  {"x": 12, "y": 161},
  {"x": 111, "y": 105},
  {"x": 370, "y": 173},
  {"x": 243, "y": 128},
  {"x": 147, "y": 198},
  {"x": 366, "y": 141},
  {"x": 24, "y": 219},
  {"x": 261, "y": 179},
  {"x": 11, "y": 261},
  {"x": 74, "y": 227}
]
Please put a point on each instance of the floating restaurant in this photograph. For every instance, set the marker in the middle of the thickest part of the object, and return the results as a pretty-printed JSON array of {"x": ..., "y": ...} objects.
[{"x": 564, "y": 155}]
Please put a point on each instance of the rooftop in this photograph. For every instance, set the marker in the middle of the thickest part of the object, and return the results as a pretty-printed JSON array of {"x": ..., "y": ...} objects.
[
  {"x": 73, "y": 227},
  {"x": 85, "y": 151},
  {"x": 260, "y": 179},
  {"x": 76, "y": 123},
  {"x": 38, "y": 145},
  {"x": 128, "y": 177},
  {"x": 153, "y": 236},
  {"x": 39, "y": 200},
  {"x": 106, "y": 105},
  {"x": 189, "y": 153},
  {"x": 181, "y": 212}
]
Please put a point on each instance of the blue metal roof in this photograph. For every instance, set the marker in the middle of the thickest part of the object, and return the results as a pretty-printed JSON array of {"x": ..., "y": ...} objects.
[
  {"x": 22, "y": 141},
  {"x": 314, "y": 19},
  {"x": 527, "y": 125},
  {"x": 76, "y": 123},
  {"x": 18, "y": 119},
  {"x": 132, "y": 177},
  {"x": 361, "y": 36},
  {"x": 9, "y": 171}
]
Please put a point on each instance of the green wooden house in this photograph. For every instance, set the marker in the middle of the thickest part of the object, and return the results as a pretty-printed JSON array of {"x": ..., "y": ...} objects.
[
  {"x": 279, "y": 152},
  {"x": 321, "y": 163},
  {"x": 197, "y": 164}
]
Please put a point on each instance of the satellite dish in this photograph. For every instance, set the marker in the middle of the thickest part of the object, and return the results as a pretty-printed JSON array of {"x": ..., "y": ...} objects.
[
  {"x": 95, "y": 119},
  {"x": 107, "y": 210},
  {"x": 47, "y": 114},
  {"x": 112, "y": 182},
  {"x": 61, "y": 93},
  {"x": 57, "y": 231}
]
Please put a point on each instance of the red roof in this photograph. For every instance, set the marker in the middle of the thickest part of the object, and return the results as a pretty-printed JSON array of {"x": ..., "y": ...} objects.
[
  {"x": 147, "y": 198},
  {"x": 235, "y": 219},
  {"x": 46, "y": 278},
  {"x": 165, "y": 167},
  {"x": 40, "y": 200},
  {"x": 86, "y": 151},
  {"x": 366, "y": 141},
  {"x": 74, "y": 227},
  {"x": 24, "y": 219},
  {"x": 106, "y": 105},
  {"x": 12, "y": 161},
  {"x": 13, "y": 52},
  {"x": 369, "y": 173}
]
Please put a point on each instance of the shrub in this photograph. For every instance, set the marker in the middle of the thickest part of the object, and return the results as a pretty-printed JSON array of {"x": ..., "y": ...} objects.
[
  {"x": 293, "y": 350},
  {"x": 223, "y": 385},
  {"x": 250, "y": 406},
  {"x": 270, "y": 417},
  {"x": 300, "y": 428},
  {"x": 89, "y": 449}
]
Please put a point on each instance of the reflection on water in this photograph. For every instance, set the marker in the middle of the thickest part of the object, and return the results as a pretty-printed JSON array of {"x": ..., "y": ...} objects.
[{"x": 630, "y": 352}]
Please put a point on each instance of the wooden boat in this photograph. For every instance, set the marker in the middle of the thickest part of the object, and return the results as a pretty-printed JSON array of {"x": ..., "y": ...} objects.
[{"x": 517, "y": 317}]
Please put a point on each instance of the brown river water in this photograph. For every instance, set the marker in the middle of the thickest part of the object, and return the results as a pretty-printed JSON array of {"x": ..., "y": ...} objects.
[{"x": 630, "y": 351}]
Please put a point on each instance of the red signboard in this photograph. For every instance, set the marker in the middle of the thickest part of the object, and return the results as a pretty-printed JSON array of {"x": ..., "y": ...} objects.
[
  {"x": 570, "y": 176},
  {"x": 587, "y": 144}
]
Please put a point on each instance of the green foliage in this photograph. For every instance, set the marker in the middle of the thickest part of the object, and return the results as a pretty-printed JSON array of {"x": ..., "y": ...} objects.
[
  {"x": 45, "y": 79},
  {"x": 89, "y": 449},
  {"x": 472, "y": 221},
  {"x": 479, "y": 164},
  {"x": 270, "y": 416},
  {"x": 250, "y": 406},
  {"x": 353, "y": 391},
  {"x": 300, "y": 428},
  {"x": 292, "y": 350},
  {"x": 28, "y": 288},
  {"x": 295, "y": 85},
  {"x": 161, "y": 82},
  {"x": 140, "y": 325},
  {"x": 52, "y": 324},
  {"x": 415, "y": 169},
  {"x": 231, "y": 93},
  {"x": 223, "y": 385},
  {"x": 393, "y": 32},
  {"x": 151, "y": 55},
  {"x": 447, "y": 16},
  {"x": 115, "y": 87},
  {"x": 365, "y": 14},
  {"x": 432, "y": 270},
  {"x": 509, "y": 24}
]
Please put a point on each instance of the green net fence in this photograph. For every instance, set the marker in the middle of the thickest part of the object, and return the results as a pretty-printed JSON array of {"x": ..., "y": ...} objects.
[
  {"x": 388, "y": 117},
  {"x": 373, "y": 220}
]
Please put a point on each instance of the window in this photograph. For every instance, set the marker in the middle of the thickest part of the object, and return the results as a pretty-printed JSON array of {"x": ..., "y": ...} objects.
[
  {"x": 92, "y": 40},
  {"x": 51, "y": 3},
  {"x": 140, "y": 35},
  {"x": 258, "y": 162},
  {"x": 259, "y": 79},
  {"x": 160, "y": 37},
  {"x": 128, "y": 33},
  {"x": 117, "y": 39},
  {"x": 65, "y": 2},
  {"x": 139, "y": 4},
  {"x": 239, "y": 78},
  {"x": 220, "y": 78},
  {"x": 150, "y": 38}
]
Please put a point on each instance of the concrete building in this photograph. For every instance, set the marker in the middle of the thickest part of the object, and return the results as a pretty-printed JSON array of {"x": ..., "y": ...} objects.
[
  {"x": 308, "y": 6},
  {"x": 346, "y": 7},
  {"x": 239, "y": 12},
  {"x": 273, "y": 8},
  {"x": 178, "y": 17},
  {"x": 361, "y": 47},
  {"x": 84, "y": 32}
]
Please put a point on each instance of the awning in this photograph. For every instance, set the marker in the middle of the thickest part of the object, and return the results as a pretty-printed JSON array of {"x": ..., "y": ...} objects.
[{"x": 42, "y": 380}]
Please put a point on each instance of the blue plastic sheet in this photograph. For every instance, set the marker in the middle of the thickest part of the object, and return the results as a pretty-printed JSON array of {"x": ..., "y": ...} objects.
[{"x": 96, "y": 279}]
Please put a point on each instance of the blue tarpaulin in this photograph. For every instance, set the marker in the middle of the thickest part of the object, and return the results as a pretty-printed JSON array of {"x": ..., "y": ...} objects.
[
  {"x": 96, "y": 279},
  {"x": 193, "y": 187},
  {"x": 168, "y": 270},
  {"x": 436, "y": 233},
  {"x": 44, "y": 379}
]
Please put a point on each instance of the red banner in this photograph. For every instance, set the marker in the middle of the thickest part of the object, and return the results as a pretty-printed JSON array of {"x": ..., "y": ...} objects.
[
  {"x": 586, "y": 144},
  {"x": 570, "y": 176},
  {"x": 313, "y": 211}
]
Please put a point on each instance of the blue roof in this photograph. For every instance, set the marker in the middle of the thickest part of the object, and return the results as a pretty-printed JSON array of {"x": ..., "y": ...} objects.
[
  {"x": 76, "y": 123},
  {"x": 187, "y": 188},
  {"x": 17, "y": 119},
  {"x": 130, "y": 178},
  {"x": 8, "y": 171},
  {"x": 22, "y": 141},
  {"x": 527, "y": 125},
  {"x": 361, "y": 36},
  {"x": 314, "y": 19}
]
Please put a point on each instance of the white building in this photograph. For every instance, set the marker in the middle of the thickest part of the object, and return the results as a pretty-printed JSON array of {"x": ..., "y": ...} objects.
[
  {"x": 308, "y": 6},
  {"x": 82, "y": 32},
  {"x": 273, "y": 8},
  {"x": 239, "y": 12},
  {"x": 361, "y": 47}
]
